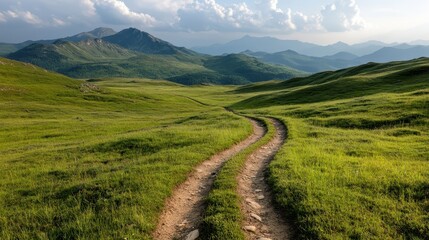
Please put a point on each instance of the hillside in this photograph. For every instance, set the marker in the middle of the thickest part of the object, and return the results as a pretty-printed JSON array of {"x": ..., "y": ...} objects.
[
  {"x": 356, "y": 162},
  {"x": 353, "y": 82},
  {"x": 72, "y": 152}
]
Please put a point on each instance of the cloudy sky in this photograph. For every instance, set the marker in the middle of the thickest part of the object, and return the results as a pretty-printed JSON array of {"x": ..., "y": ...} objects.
[{"x": 202, "y": 22}]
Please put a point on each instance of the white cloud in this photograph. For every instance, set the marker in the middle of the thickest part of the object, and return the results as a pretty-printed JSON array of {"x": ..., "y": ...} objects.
[
  {"x": 208, "y": 15},
  {"x": 267, "y": 16},
  {"x": 88, "y": 7},
  {"x": 25, "y": 16},
  {"x": 117, "y": 12},
  {"x": 341, "y": 16},
  {"x": 57, "y": 22}
]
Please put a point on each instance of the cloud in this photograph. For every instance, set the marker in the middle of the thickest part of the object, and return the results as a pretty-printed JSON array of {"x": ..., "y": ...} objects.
[
  {"x": 206, "y": 15},
  {"x": 265, "y": 16},
  {"x": 24, "y": 16},
  {"x": 88, "y": 7},
  {"x": 117, "y": 12},
  {"x": 57, "y": 22},
  {"x": 341, "y": 16},
  {"x": 209, "y": 15}
]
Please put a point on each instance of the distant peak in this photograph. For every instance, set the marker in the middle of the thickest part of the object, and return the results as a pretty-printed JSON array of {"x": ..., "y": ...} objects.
[{"x": 340, "y": 43}]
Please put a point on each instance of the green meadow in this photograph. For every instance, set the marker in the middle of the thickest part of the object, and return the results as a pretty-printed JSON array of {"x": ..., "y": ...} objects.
[
  {"x": 81, "y": 161},
  {"x": 356, "y": 163},
  {"x": 96, "y": 159}
]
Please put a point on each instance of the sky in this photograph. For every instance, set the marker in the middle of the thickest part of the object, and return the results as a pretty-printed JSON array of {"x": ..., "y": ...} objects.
[{"x": 203, "y": 22}]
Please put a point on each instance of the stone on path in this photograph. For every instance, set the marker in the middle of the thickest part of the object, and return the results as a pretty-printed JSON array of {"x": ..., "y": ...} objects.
[
  {"x": 193, "y": 235},
  {"x": 253, "y": 204},
  {"x": 250, "y": 228},
  {"x": 256, "y": 217}
]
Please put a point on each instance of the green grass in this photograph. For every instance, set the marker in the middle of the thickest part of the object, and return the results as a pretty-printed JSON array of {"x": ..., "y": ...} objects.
[
  {"x": 84, "y": 161},
  {"x": 222, "y": 220},
  {"x": 97, "y": 159},
  {"x": 356, "y": 164}
]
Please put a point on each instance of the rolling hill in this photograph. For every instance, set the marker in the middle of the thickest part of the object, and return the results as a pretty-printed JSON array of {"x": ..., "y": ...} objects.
[
  {"x": 352, "y": 82},
  {"x": 355, "y": 165}
]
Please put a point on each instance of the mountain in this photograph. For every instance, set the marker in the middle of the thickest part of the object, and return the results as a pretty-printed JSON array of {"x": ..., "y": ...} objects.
[
  {"x": 140, "y": 41},
  {"x": 256, "y": 44},
  {"x": 95, "y": 58},
  {"x": 301, "y": 62},
  {"x": 273, "y": 45},
  {"x": 342, "y": 56},
  {"x": 62, "y": 54},
  {"x": 420, "y": 42},
  {"x": 149, "y": 57},
  {"x": 94, "y": 34},
  {"x": 7, "y": 48},
  {"x": 363, "y": 80},
  {"x": 389, "y": 54}
]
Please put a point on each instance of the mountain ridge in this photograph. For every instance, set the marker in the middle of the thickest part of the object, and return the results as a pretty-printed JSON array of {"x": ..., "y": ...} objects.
[{"x": 134, "y": 53}]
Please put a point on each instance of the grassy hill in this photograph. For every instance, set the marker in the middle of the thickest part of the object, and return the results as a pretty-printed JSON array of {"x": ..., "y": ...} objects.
[
  {"x": 86, "y": 161},
  {"x": 353, "y": 82},
  {"x": 356, "y": 162}
]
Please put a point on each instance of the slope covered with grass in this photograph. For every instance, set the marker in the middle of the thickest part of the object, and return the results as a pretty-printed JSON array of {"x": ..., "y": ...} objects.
[
  {"x": 356, "y": 164},
  {"x": 371, "y": 78},
  {"x": 86, "y": 161}
]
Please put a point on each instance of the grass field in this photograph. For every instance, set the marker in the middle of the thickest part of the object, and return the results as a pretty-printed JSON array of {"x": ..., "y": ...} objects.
[
  {"x": 97, "y": 159},
  {"x": 80, "y": 161},
  {"x": 356, "y": 164}
]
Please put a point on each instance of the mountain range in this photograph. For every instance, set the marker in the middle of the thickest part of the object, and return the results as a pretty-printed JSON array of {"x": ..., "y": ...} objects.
[
  {"x": 134, "y": 53},
  {"x": 340, "y": 60},
  {"x": 273, "y": 45}
]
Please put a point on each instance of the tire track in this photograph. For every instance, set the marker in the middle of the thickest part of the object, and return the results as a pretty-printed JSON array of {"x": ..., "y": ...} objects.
[
  {"x": 261, "y": 219},
  {"x": 183, "y": 211}
]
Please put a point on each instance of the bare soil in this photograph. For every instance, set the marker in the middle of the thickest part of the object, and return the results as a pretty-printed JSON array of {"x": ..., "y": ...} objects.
[
  {"x": 183, "y": 211},
  {"x": 261, "y": 219}
]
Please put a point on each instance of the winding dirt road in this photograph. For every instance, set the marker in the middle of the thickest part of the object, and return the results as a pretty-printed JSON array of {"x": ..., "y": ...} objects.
[
  {"x": 261, "y": 219},
  {"x": 183, "y": 211}
]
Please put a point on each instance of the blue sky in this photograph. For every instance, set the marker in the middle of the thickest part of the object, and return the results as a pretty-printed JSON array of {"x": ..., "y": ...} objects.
[{"x": 202, "y": 22}]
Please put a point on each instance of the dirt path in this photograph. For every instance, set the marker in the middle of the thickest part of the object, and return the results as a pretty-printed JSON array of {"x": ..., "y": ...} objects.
[
  {"x": 261, "y": 220},
  {"x": 184, "y": 209}
]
